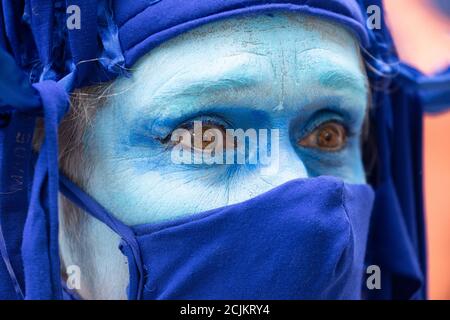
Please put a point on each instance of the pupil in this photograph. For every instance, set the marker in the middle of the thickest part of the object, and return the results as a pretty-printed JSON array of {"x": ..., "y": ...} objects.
[{"x": 327, "y": 136}]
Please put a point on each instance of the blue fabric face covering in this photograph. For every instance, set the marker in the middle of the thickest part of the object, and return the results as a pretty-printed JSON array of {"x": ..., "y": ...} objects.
[{"x": 305, "y": 239}]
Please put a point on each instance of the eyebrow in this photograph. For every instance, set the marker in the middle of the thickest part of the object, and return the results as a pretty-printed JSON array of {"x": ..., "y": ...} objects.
[
  {"x": 249, "y": 71},
  {"x": 334, "y": 79},
  {"x": 341, "y": 79},
  {"x": 244, "y": 76},
  {"x": 209, "y": 87}
]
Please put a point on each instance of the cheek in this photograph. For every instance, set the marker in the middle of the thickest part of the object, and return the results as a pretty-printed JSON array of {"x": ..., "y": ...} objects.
[
  {"x": 142, "y": 185},
  {"x": 347, "y": 164}
]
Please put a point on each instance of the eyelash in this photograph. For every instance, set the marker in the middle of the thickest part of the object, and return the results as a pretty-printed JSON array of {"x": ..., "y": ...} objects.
[
  {"x": 204, "y": 119},
  {"x": 321, "y": 119},
  {"x": 213, "y": 119}
]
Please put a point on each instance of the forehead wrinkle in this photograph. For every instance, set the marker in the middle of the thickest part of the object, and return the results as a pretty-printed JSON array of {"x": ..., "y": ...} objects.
[
  {"x": 207, "y": 88},
  {"x": 332, "y": 71},
  {"x": 245, "y": 71}
]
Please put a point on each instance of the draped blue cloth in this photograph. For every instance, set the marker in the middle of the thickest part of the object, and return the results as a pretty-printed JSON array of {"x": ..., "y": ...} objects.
[
  {"x": 42, "y": 61},
  {"x": 137, "y": 36}
]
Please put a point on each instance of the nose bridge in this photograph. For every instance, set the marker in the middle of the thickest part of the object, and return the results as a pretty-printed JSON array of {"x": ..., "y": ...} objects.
[
  {"x": 290, "y": 160},
  {"x": 285, "y": 162}
]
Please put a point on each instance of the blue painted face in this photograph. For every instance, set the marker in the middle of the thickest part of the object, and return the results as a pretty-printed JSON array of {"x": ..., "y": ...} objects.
[{"x": 298, "y": 74}]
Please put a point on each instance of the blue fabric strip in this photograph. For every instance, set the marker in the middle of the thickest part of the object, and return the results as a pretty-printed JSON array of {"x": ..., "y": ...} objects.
[
  {"x": 435, "y": 92},
  {"x": 143, "y": 26},
  {"x": 15, "y": 141},
  {"x": 40, "y": 250},
  {"x": 16, "y": 131}
]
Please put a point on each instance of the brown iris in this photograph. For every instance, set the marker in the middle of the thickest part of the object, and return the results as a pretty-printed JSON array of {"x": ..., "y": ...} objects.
[
  {"x": 212, "y": 136},
  {"x": 330, "y": 136}
]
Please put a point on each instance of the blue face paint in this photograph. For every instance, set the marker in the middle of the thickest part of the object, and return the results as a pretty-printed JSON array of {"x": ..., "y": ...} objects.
[{"x": 275, "y": 72}]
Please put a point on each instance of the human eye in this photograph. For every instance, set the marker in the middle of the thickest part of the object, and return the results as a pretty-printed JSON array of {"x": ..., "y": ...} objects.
[
  {"x": 201, "y": 134},
  {"x": 330, "y": 136}
]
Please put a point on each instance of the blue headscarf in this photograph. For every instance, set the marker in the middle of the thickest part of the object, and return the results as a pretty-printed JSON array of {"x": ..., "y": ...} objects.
[{"x": 42, "y": 61}]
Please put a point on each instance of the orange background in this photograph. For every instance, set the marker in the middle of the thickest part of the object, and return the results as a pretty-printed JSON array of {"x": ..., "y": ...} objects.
[{"x": 422, "y": 35}]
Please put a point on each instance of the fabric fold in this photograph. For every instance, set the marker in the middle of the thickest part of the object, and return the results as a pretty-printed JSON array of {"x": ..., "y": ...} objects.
[{"x": 38, "y": 229}]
